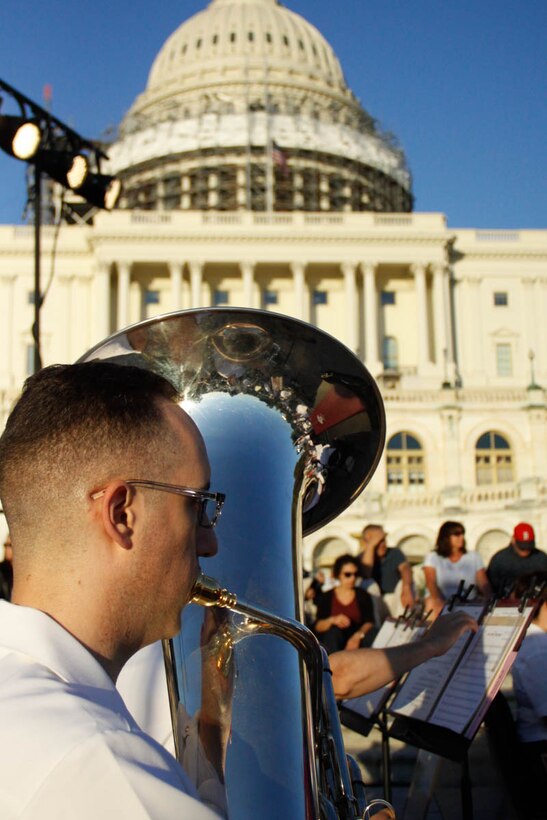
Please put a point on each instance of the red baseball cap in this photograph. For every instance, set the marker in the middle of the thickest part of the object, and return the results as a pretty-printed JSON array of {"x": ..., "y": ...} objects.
[{"x": 524, "y": 536}]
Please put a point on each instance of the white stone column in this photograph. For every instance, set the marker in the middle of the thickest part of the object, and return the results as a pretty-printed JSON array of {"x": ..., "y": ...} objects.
[
  {"x": 350, "y": 287},
  {"x": 422, "y": 321},
  {"x": 124, "y": 278},
  {"x": 301, "y": 296},
  {"x": 7, "y": 308},
  {"x": 371, "y": 317},
  {"x": 247, "y": 275},
  {"x": 440, "y": 316},
  {"x": 102, "y": 294},
  {"x": 196, "y": 284},
  {"x": 175, "y": 275}
]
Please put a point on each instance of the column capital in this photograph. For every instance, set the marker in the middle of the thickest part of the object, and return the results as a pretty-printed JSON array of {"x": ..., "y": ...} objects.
[
  {"x": 369, "y": 266},
  {"x": 298, "y": 267},
  {"x": 348, "y": 268},
  {"x": 439, "y": 268},
  {"x": 418, "y": 268}
]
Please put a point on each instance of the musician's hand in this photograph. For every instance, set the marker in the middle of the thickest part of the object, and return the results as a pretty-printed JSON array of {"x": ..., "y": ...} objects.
[{"x": 445, "y": 631}]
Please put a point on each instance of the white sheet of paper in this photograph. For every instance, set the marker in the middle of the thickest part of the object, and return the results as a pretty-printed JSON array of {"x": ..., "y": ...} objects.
[{"x": 424, "y": 685}]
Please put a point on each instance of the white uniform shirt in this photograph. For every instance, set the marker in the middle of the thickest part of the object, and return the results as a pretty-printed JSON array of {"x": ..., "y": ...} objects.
[
  {"x": 69, "y": 747},
  {"x": 529, "y": 683}
]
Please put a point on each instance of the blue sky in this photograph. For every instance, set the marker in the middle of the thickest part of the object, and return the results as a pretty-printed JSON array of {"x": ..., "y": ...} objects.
[{"x": 462, "y": 83}]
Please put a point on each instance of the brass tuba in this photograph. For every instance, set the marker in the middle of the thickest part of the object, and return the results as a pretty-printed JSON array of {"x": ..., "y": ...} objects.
[{"x": 294, "y": 427}]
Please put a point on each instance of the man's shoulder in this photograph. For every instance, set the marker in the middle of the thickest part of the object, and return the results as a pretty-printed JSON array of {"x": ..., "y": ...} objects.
[
  {"x": 396, "y": 555},
  {"x": 502, "y": 555},
  {"x": 58, "y": 733}
]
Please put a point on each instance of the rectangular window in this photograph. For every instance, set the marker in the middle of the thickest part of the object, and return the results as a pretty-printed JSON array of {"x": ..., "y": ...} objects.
[
  {"x": 221, "y": 297},
  {"x": 151, "y": 297},
  {"x": 501, "y": 298},
  {"x": 270, "y": 297},
  {"x": 504, "y": 365},
  {"x": 320, "y": 297},
  {"x": 387, "y": 297}
]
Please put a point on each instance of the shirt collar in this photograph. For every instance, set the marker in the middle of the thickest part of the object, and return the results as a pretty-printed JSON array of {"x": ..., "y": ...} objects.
[{"x": 31, "y": 632}]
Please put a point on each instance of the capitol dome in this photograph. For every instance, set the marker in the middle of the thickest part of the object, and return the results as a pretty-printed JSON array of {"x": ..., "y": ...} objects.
[{"x": 246, "y": 107}]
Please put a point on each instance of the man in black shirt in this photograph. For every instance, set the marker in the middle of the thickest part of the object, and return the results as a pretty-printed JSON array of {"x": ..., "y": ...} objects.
[{"x": 521, "y": 557}]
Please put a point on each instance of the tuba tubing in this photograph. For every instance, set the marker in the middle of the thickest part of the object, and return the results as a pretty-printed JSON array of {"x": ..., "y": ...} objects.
[
  {"x": 335, "y": 782},
  {"x": 207, "y": 592}
]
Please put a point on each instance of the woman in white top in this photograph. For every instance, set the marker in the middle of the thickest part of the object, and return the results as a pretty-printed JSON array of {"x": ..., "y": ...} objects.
[{"x": 451, "y": 564}]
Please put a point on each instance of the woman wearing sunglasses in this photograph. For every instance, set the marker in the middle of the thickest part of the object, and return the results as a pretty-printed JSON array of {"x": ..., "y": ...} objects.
[
  {"x": 449, "y": 565},
  {"x": 345, "y": 618}
]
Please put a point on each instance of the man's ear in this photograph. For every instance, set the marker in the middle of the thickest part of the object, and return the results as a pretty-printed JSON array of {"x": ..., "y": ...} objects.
[{"x": 118, "y": 514}]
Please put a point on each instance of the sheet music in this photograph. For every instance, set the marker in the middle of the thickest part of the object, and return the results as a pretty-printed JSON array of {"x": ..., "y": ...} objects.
[
  {"x": 485, "y": 656},
  {"x": 424, "y": 685},
  {"x": 392, "y": 633}
]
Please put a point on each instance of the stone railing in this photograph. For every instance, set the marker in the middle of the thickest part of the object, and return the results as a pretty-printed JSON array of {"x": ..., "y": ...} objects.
[
  {"x": 462, "y": 396},
  {"x": 495, "y": 496}
]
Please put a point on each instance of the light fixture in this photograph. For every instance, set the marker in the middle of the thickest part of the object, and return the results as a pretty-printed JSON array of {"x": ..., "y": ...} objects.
[
  {"x": 54, "y": 149},
  {"x": 19, "y": 136},
  {"x": 100, "y": 190},
  {"x": 66, "y": 167}
]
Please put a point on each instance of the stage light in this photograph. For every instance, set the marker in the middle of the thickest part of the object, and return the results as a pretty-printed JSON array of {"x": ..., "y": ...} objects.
[
  {"x": 19, "y": 137},
  {"x": 100, "y": 190},
  {"x": 63, "y": 165}
]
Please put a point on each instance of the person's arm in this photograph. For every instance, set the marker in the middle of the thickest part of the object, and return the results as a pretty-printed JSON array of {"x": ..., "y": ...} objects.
[
  {"x": 483, "y": 584},
  {"x": 435, "y": 599},
  {"x": 366, "y": 559},
  {"x": 407, "y": 592},
  {"x": 324, "y": 624},
  {"x": 355, "y": 640},
  {"x": 494, "y": 574},
  {"x": 362, "y": 671}
]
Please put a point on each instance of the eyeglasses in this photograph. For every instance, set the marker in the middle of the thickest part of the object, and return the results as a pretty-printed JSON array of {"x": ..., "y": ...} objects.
[
  {"x": 210, "y": 504},
  {"x": 349, "y": 574}
]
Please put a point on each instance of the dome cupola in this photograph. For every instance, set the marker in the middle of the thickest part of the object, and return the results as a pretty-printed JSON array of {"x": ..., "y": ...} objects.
[{"x": 246, "y": 106}]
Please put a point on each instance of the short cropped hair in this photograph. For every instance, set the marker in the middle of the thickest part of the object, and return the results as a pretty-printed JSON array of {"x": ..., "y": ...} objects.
[
  {"x": 341, "y": 561},
  {"x": 443, "y": 538},
  {"x": 71, "y": 419}
]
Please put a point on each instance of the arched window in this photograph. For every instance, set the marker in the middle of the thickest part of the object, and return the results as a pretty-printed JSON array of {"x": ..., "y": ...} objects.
[
  {"x": 493, "y": 459},
  {"x": 405, "y": 463}
]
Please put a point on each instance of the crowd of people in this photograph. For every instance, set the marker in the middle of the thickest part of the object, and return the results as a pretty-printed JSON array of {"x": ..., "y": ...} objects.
[
  {"x": 342, "y": 611},
  {"x": 448, "y": 570}
]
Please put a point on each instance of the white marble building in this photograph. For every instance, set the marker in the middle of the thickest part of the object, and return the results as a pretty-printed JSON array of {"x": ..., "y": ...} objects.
[{"x": 450, "y": 321}]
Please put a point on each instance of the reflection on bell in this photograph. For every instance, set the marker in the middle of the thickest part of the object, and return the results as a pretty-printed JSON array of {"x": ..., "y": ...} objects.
[{"x": 240, "y": 342}]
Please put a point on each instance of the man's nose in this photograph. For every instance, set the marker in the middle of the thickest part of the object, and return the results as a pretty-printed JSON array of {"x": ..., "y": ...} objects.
[{"x": 207, "y": 543}]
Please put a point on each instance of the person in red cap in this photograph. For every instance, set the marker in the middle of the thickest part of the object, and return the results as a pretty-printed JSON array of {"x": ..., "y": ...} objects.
[{"x": 521, "y": 557}]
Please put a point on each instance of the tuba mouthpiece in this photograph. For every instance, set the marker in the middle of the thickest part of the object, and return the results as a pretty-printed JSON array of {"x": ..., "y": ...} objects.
[{"x": 208, "y": 592}]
